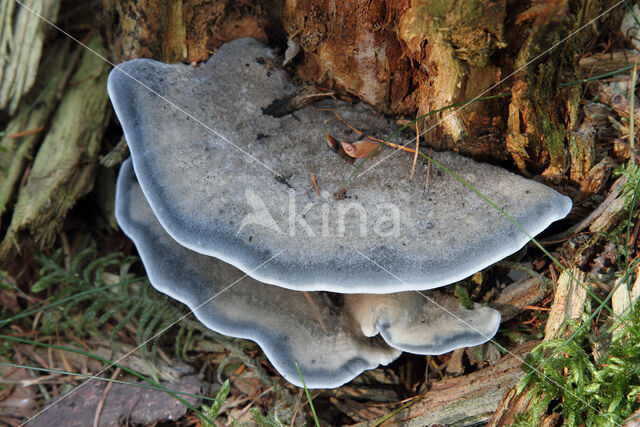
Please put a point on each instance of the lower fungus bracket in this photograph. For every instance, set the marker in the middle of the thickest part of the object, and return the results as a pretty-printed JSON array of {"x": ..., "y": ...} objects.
[{"x": 330, "y": 352}]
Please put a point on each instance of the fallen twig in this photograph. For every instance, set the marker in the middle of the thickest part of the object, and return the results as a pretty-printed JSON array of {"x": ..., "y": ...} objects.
[
  {"x": 25, "y": 132},
  {"x": 96, "y": 417},
  {"x": 415, "y": 156},
  {"x": 616, "y": 188}
]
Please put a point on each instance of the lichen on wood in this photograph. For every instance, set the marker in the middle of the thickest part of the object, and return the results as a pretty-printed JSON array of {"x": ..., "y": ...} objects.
[
  {"x": 22, "y": 33},
  {"x": 30, "y": 120},
  {"x": 66, "y": 163}
]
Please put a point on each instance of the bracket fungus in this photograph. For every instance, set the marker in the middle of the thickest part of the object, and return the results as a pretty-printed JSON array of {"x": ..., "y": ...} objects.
[
  {"x": 227, "y": 220},
  {"x": 280, "y": 321}
]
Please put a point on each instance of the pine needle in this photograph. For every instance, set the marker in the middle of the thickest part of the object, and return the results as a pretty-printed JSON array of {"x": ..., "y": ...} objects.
[{"x": 415, "y": 156}]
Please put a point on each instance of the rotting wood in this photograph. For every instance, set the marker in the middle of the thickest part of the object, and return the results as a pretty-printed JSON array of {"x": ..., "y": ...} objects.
[
  {"x": 483, "y": 355},
  {"x": 610, "y": 216},
  {"x": 22, "y": 34},
  {"x": 136, "y": 405},
  {"x": 596, "y": 179},
  {"x": 568, "y": 301},
  {"x": 469, "y": 399},
  {"x": 184, "y": 30},
  {"x": 635, "y": 290},
  {"x": 514, "y": 299},
  {"x": 378, "y": 386},
  {"x": 104, "y": 195},
  {"x": 536, "y": 126},
  {"x": 625, "y": 295},
  {"x": 360, "y": 412},
  {"x": 455, "y": 366},
  {"x": 619, "y": 102},
  {"x": 407, "y": 57},
  {"x": 18, "y": 398},
  {"x": 96, "y": 417},
  {"x": 622, "y": 298},
  {"x": 633, "y": 420},
  {"x": 534, "y": 115},
  {"x": 455, "y": 66},
  {"x": 598, "y": 114},
  {"x": 117, "y": 155},
  {"x": 604, "y": 211},
  {"x": 65, "y": 165},
  {"x": 35, "y": 113},
  {"x": 582, "y": 150},
  {"x": 606, "y": 62},
  {"x": 620, "y": 301},
  {"x": 512, "y": 404}
]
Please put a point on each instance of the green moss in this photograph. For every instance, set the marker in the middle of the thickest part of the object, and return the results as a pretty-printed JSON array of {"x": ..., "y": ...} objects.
[
  {"x": 594, "y": 392},
  {"x": 474, "y": 28},
  {"x": 554, "y": 137},
  {"x": 457, "y": 9},
  {"x": 463, "y": 297}
]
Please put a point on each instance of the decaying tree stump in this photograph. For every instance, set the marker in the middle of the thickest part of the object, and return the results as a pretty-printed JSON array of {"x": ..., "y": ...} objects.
[
  {"x": 22, "y": 34},
  {"x": 407, "y": 57}
]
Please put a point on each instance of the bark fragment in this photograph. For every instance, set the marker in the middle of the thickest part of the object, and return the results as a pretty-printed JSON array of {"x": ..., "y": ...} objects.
[
  {"x": 22, "y": 34},
  {"x": 514, "y": 299},
  {"x": 34, "y": 114},
  {"x": 65, "y": 166},
  {"x": 568, "y": 301},
  {"x": 469, "y": 399},
  {"x": 186, "y": 30},
  {"x": 606, "y": 62}
]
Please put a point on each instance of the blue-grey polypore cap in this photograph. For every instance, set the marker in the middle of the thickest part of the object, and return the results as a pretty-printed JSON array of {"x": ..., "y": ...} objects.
[
  {"x": 226, "y": 169},
  {"x": 422, "y": 322},
  {"x": 333, "y": 340}
]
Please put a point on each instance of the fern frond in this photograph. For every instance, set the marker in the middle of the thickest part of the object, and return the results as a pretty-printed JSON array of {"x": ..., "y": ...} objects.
[
  {"x": 126, "y": 319},
  {"x": 133, "y": 302}
]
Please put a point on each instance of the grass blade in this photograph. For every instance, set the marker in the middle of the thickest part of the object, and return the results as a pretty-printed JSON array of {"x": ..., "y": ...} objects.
[{"x": 306, "y": 390}]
